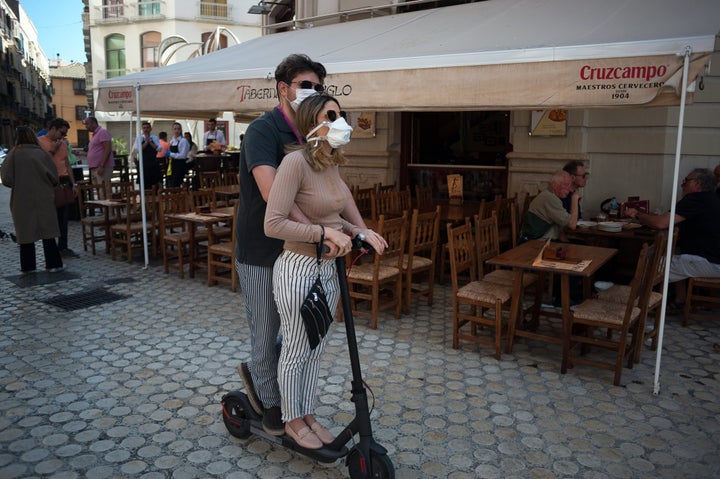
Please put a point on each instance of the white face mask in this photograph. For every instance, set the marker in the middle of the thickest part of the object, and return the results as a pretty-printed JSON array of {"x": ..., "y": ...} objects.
[
  {"x": 338, "y": 134},
  {"x": 300, "y": 95}
]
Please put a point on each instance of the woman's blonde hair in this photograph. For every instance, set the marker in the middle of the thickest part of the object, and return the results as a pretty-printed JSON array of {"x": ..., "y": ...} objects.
[{"x": 305, "y": 121}]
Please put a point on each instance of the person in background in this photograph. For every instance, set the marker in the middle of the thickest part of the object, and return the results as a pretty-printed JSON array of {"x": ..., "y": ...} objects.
[
  {"x": 162, "y": 160},
  {"x": 579, "y": 180},
  {"x": 55, "y": 144},
  {"x": 697, "y": 216},
  {"x": 263, "y": 148},
  {"x": 213, "y": 134},
  {"x": 45, "y": 129},
  {"x": 32, "y": 175},
  {"x": 309, "y": 179},
  {"x": 192, "y": 153},
  {"x": 716, "y": 173},
  {"x": 546, "y": 217},
  {"x": 177, "y": 157},
  {"x": 100, "y": 157},
  {"x": 148, "y": 145}
]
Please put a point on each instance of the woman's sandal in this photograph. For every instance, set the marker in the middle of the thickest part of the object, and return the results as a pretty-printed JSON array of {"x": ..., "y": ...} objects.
[
  {"x": 304, "y": 438},
  {"x": 322, "y": 433}
]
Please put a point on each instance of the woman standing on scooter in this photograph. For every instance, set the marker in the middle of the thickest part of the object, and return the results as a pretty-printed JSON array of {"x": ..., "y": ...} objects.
[{"x": 309, "y": 177}]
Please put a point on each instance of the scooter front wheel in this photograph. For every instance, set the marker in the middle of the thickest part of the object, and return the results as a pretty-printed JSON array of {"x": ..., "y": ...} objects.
[
  {"x": 236, "y": 417},
  {"x": 382, "y": 466}
]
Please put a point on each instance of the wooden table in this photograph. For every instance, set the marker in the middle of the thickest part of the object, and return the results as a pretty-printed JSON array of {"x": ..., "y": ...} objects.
[
  {"x": 457, "y": 213},
  {"x": 628, "y": 242},
  {"x": 521, "y": 259},
  {"x": 216, "y": 215}
]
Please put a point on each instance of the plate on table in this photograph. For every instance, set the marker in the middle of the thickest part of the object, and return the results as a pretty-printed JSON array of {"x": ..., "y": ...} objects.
[
  {"x": 586, "y": 224},
  {"x": 610, "y": 226}
]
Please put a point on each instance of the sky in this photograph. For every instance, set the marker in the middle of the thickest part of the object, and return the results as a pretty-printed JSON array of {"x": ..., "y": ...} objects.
[{"x": 59, "y": 27}]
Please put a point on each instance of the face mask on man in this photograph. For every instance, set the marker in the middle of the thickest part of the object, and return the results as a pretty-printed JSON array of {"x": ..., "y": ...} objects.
[
  {"x": 338, "y": 135},
  {"x": 300, "y": 95}
]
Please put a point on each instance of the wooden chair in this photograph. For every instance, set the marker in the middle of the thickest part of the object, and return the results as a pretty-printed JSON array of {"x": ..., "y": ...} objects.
[
  {"x": 702, "y": 292},
  {"x": 174, "y": 235},
  {"x": 204, "y": 197},
  {"x": 473, "y": 298},
  {"x": 424, "y": 199},
  {"x": 221, "y": 259},
  {"x": 363, "y": 200},
  {"x": 420, "y": 257},
  {"x": 210, "y": 179},
  {"x": 506, "y": 210},
  {"x": 121, "y": 189},
  {"x": 618, "y": 293},
  {"x": 487, "y": 245},
  {"x": 594, "y": 315},
  {"x": 231, "y": 178},
  {"x": 384, "y": 203},
  {"x": 367, "y": 281},
  {"x": 380, "y": 188},
  {"x": 526, "y": 204},
  {"x": 127, "y": 235},
  {"x": 95, "y": 224}
]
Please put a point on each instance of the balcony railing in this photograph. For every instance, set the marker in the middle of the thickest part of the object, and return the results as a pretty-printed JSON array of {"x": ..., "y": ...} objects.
[
  {"x": 131, "y": 11},
  {"x": 215, "y": 10}
]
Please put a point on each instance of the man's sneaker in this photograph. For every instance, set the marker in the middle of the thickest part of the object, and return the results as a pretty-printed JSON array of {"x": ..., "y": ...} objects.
[
  {"x": 244, "y": 372},
  {"x": 59, "y": 269},
  {"x": 68, "y": 253},
  {"x": 272, "y": 421}
]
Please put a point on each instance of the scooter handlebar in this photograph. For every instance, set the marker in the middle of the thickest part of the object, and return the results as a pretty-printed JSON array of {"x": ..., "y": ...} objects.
[{"x": 357, "y": 244}]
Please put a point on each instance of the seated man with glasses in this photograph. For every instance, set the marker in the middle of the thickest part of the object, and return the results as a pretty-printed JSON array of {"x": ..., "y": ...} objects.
[
  {"x": 697, "y": 216},
  {"x": 579, "y": 180}
]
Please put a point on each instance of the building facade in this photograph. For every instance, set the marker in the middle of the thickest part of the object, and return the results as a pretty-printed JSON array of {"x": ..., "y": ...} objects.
[
  {"x": 123, "y": 37},
  {"x": 24, "y": 75},
  {"x": 629, "y": 151},
  {"x": 69, "y": 99}
]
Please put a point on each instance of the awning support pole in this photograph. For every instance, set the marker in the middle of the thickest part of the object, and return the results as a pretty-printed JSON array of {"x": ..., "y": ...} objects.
[
  {"x": 142, "y": 176},
  {"x": 671, "y": 227}
]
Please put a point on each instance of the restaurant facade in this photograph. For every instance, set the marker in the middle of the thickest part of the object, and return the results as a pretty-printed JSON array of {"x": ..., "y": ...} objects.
[{"x": 503, "y": 92}]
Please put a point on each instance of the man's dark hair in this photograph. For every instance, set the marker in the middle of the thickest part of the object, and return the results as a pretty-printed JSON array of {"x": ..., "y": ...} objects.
[
  {"x": 706, "y": 179},
  {"x": 572, "y": 166},
  {"x": 146, "y": 123},
  {"x": 162, "y": 135},
  {"x": 296, "y": 64},
  {"x": 212, "y": 120},
  {"x": 59, "y": 123},
  {"x": 91, "y": 119}
]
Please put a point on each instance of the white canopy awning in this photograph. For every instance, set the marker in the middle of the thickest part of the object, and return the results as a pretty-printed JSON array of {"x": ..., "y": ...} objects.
[{"x": 497, "y": 54}]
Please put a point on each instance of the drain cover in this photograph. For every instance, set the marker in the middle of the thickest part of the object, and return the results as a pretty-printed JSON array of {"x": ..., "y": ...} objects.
[{"x": 94, "y": 297}]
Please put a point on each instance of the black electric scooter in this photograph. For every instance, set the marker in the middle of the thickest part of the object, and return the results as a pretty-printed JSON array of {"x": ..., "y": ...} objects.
[{"x": 365, "y": 458}]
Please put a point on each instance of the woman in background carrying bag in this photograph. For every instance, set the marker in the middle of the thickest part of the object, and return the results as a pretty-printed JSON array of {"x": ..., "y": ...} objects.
[
  {"x": 308, "y": 178},
  {"x": 32, "y": 175}
]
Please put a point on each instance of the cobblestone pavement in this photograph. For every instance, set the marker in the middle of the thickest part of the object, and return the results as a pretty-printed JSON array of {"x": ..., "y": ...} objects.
[{"x": 132, "y": 388}]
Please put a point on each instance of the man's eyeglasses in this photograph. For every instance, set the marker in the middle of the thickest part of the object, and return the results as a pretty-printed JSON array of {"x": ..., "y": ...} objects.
[
  {"x": 332, "y": 115},
  {"x": 687, "y": 179},
  {"x": 584, "y": 175},
  {"x": 308, "y": 85}
]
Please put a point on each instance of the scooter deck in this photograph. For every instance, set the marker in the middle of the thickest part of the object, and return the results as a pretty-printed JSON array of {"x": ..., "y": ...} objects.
[{"x": 254, "y": 421}]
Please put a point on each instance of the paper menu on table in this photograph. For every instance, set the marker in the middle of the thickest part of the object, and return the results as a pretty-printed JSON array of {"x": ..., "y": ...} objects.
[{"x": 569, "y": 264}]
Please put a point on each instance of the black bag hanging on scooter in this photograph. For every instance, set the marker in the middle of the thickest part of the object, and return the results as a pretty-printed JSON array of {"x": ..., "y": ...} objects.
[{"x": 315, "y": 311}]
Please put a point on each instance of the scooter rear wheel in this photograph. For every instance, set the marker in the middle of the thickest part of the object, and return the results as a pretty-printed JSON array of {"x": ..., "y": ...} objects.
[
  {"x": 235, "y": 417},
  {"x": 382, "y": 466}
]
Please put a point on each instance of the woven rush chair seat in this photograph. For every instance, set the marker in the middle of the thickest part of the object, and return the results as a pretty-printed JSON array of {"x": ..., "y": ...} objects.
[
  {"x": 506, "y": 277},
  {"x": 485, "y": 292},
  {"x": 603, "y": 312},
  {"x": 618, "y": 293},
  {"x": 366, "y": 272}
]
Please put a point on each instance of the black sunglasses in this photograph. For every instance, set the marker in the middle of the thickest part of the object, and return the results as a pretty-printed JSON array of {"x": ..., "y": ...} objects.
[
  {"x": 308, "y": 85},
  {"x": 332, "y": 115}
]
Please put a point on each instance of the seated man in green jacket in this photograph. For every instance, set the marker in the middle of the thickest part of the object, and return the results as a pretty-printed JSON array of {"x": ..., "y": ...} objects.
[{"x": 546, "y": 217}]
